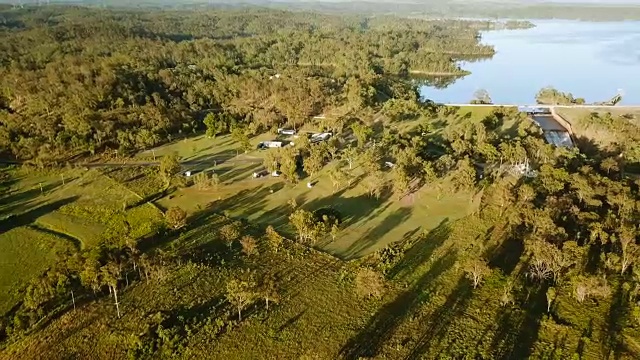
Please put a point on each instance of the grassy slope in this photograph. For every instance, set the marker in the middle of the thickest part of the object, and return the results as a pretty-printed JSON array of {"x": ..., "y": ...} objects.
[
  {"x": 317, "y": 312},
  {"x": 601, "y": 134},
  {"x": 25, "y": 253},
  {"x": 370, "y": 224},
  {"x": 65, "y": 216},
  {"x": 430, "y": 309}
]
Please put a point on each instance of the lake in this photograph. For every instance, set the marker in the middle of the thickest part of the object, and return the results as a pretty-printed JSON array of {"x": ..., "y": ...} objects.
[{"x": 593, "y": 60}]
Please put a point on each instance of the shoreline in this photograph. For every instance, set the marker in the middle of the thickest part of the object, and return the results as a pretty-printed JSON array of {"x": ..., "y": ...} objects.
[{"x": 439, "y": 73}]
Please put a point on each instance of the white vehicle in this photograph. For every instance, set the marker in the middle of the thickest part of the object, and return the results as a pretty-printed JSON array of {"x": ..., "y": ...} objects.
[
  {"x": 286, "y": 131},
  {"x": 276, "y": 173},
  {"x": 320, "y": 137},
  {"x": 270, "y": 144}
]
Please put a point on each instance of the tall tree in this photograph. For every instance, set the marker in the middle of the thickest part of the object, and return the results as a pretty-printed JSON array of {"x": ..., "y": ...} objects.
[
  {"x": 362, "y": 133},
  {"x": 230, "y": 233},
  {"x": 476, "y": 270},
  {"x": 241, "y": 293},
  {"x": 169, "y": 166},
  {"x": 111, "y": 274}
]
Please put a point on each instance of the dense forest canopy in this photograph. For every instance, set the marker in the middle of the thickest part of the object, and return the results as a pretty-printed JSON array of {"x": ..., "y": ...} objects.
[{"x": 75, "y": 80}]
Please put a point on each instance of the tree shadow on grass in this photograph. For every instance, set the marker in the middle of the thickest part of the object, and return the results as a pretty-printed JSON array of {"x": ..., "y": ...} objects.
[
  {"x": 384, "y": 323},
  {"x": 15, "y": 200},
  {"x": 30, "y": 216},
  {"x": 518, "y": 328},
  {"x": 506, "y": 255},
  {"x": 441, "y": 319},
  {"x": 352, "y": 209},
  {"x": 376, "y": 233},
  {"x": 421, "y": 251},
  {"x": 617, "y": 320}
]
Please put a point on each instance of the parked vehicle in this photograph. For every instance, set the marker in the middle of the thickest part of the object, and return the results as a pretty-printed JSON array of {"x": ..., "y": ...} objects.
[
  {"x": 260, "y": 174},
  {"x": 270, "y": 144},
  {"x": 286, "y": 131},
  {"x": 320, "y": 137}
]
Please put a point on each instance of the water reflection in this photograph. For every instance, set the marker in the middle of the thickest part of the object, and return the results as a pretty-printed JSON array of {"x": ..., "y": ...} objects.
[{"x": 590, "y": 60}]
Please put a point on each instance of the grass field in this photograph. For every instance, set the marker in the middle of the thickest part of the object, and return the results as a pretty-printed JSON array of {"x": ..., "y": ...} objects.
[
  {"x": 66, "y": 215},
  {"x": 25, "y": 252},
  {"x": 313, "y": 294},
  {"x": 607, "y": 133},
  {"x": 603, "y": 133},
  {"x": 429, "y": 309},
  {"x": 370, "y": 224}
]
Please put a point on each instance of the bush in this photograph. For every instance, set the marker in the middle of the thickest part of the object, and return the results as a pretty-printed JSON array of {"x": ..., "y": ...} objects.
[
  {"x": 369, "y": 283},
  {"x": 176, "y": 217}
]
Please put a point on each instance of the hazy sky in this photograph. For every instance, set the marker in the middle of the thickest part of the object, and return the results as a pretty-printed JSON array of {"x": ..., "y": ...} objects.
[{"x": 600, "y": 2}]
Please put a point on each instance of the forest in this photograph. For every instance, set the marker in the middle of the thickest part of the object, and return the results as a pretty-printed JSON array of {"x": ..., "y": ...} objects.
[
  {"x": 78, "y": 81},
  {"x": 416, "y": 230}
]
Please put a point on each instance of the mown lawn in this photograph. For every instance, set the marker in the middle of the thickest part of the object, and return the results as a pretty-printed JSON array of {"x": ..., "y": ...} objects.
[{"x": 369, "y": 224}]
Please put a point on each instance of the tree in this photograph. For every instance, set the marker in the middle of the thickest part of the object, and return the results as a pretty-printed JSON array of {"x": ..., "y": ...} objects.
[
  {"x": 272, "y": 161},
  {"x": 609, "y": 164},
  {"x": 349, "y": 155},
  {"x": 241, "y": 136},
  {"x": 273, "y": 238},
  {"x": 229, "y": 233},
  {"x": 338, "y": 177},
  {"x": 335, "y": 230},
  {"x": 551, "y": 96},
  {"x": 214, "y": 181},
  {"x": 215, "y": 123},
  {"x": 362, "y": 133},
  {"x": 476, "y": 270},
  {"x": 308, "y": 228},
  {"x": 630, "y": 251},
  {"x": 464, "y": 177},
  {"x": 289, "y": 166},
  {"x": 176, "y": 217},
  {"x": 481, "y": 96},
  {"x": 249, "y": 245},
  {"x": 315, "y": 161},
  {"x": 90, "y": 274},
  {"x": 375, "y": 184},
  {"x": 401, "y": 181},
  {"x": 241, "y": 293},
  {"x": 370, "y": 160},
  {"x": 169, "y": 166},
  {"x": 201, "y": 180},
  {"x": 369, "y": 283},
  {"x": 110, "y": 275},
  {"x": 547, "y": 261},
  {"x": 551, "y": 297},
  {"x": 590, "y": 287},
  {"x": 268, "y": 289}
]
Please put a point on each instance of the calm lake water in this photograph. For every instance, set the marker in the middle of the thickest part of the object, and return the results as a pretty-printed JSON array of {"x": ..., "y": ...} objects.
[{"x": 593, "y": 60}]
